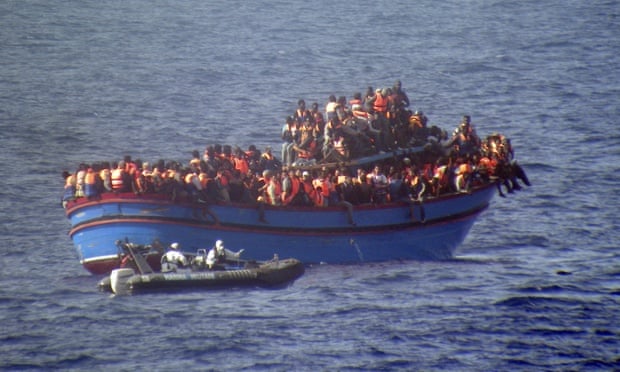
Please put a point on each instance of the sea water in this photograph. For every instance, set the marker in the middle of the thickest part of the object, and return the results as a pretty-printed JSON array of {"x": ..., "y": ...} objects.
[{"x": 535, "y": 286}]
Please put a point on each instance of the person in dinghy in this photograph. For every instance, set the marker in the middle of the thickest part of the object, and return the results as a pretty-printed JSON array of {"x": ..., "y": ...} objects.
[
  {"x": 173, "y": 259},
  {"x": 219, "y": 255}
]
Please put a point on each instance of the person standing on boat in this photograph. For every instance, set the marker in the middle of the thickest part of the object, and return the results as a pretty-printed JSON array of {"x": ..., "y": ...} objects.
[
  {"x": 69, "y": 194},
  {"x": 219, "y": 255},
  {"x": 173, "y": 259},
  {"x": 379, "y": 186},
  {"x": 289, "y": 136},
  {"x": 301, "y": 114}
]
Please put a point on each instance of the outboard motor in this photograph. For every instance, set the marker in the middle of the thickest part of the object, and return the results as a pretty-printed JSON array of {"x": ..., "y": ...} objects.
[{"x": 118, "y": 280}]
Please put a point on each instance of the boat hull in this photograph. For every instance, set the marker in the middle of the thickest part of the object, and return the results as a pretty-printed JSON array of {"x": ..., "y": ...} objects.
[
  {"x": 344, "y": 234},
  {"x": 275, "y": 273}
]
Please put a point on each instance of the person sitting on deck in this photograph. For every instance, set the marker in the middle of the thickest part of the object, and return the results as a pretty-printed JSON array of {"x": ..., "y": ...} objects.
[
  {"x": 268, "y": 161},
  {"x": 219, "y": 255},
  {"x": 306, "y": 149},
  {"x": 173, "y": 259}
]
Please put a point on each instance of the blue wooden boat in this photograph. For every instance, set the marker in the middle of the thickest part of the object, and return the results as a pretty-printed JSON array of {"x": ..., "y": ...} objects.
[{"x": 431, "y": 229}]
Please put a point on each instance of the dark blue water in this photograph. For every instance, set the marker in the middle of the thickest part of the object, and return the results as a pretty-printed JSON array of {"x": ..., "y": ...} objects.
[{"x": 535, "y": 286}]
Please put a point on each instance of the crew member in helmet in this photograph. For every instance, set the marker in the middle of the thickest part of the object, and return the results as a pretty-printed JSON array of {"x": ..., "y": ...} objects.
[
  {"x": 218, "y": 255},
  {"x": 173, "y": 259}
]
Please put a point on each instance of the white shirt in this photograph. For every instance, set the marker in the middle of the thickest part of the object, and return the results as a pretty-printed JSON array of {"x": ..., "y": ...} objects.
[
  {"x": 212, "y": 256},
  {"x": 174, "y": 256}
]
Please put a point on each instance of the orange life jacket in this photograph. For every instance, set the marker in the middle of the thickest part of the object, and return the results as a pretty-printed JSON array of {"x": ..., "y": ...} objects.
[
  {"x": 295, "y": 186},
  {"x": 324, "y": 184},
  {"x": 309, "y": 153},
  {"x": 464, "y": 168},
  {"x": 242, "y": 165},
  {"x": 277, "y": 191},
  {"x": 195, "y": 162},
  {"x": 71, "y": 181},
  {"x": 203, "y": 180},
  {"x": 189, "y": 178},
  {"x": 380, "y": 104},
  {"x": 130, "y": 168},
  {"x": 355, "y": 102},
  {"x": 308, "y": 188}
]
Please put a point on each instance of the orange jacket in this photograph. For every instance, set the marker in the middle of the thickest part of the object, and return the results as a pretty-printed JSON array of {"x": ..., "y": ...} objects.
[{"x": 380, "y": 104}]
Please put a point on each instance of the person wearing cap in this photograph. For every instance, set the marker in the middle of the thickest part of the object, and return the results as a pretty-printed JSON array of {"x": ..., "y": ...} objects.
[
  {"x": 219, "y": 255},
  {"x": 314, "y": 197},
  {"x": 173, "y": 259}
]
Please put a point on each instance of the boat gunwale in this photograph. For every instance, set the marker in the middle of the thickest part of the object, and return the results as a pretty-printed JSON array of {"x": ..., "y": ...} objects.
[{"x": 279, "y": 230}]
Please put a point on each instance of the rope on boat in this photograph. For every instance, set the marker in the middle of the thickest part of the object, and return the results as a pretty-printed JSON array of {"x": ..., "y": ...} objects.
[{"x": 349, "y": 207}]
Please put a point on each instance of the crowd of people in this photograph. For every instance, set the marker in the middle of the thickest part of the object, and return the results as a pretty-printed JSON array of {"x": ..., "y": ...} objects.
[
  {"x": 378, "y": 120},
  {"x": 308, "y": 171}
]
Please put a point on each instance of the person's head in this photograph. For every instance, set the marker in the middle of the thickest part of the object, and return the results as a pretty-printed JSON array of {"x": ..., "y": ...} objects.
[
  {"x": 174, "y": 246},
  {"x": 397, "y": 85},
  {"x": 301, "y": 104},
  {"x": 219, "y": 245}
]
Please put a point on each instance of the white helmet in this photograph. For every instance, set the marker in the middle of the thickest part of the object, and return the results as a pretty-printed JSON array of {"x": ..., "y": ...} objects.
[
  {"x": 219, "y": 245},
  {"x": 174, "y": 245}
]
